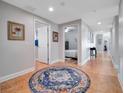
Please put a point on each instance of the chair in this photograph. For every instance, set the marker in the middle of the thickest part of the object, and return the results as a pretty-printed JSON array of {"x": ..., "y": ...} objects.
[{"x": 93, "y": 52}]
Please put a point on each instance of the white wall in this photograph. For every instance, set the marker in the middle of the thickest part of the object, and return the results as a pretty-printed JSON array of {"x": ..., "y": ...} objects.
[
  {"x": 121, "y": 42},
  {"x": 54, "y": 45},
  {"x": 85, "y": 42},
  {"x": 115, "y": 42},
  {"x": 16, "y": 56}
]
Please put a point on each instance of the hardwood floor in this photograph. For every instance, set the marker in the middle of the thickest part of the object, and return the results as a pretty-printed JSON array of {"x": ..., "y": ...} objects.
[{"x": 100, "y": 70}]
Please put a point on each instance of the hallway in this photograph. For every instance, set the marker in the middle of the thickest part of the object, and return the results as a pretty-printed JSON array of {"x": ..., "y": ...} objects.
[
  {"x": 33, "y": 37},
  {"x": 103, "y": 75},
  {"x": 101, "y": 72}
]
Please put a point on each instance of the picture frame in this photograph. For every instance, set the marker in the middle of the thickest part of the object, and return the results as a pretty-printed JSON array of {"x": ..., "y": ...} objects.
[
  {"x": 55, "y": 36},
  {"x": 16, "y": 31}
]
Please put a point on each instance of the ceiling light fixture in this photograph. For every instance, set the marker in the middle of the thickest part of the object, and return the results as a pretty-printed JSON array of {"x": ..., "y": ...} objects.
[
  {"x": 99, "y": 23},
  {"x": 51, "y": 9}
]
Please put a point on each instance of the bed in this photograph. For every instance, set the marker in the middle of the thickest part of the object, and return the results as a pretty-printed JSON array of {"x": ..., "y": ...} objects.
[{"x": 71, "y": 53}]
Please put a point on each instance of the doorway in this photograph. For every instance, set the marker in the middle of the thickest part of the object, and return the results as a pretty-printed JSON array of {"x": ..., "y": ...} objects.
[
  {"x": 103, "y": 42},
  {"x": 41, "y": 42},
  {"x": 71, "y": 44},
  {"x": 99, "y": 42}
]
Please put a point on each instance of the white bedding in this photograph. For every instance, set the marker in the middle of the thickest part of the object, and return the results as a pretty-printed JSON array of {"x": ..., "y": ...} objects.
[{"x": 71, "y": 53}]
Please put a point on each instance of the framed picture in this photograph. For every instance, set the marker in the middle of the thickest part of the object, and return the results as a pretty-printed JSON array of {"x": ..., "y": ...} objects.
[
  {"x": 16, "y": 31},
  {"x": 55, "y": 37}
]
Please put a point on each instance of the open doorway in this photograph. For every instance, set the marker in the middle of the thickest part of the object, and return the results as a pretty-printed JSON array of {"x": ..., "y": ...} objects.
[
  {"x": 71, "y": 44},
  {"x": 41, "y": 42},
  {"x": 103, "y": 42}
]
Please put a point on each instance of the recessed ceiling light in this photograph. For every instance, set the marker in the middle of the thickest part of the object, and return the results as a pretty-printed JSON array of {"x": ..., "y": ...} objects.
[
  {"x": 99, "y": 23},
  {"x": 51, "y": 9}
]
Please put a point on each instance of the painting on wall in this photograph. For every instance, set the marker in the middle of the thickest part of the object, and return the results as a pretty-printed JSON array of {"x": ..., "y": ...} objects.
[
  {"x": 55, "y": 36},
  {"x": 16, "y": 31}
]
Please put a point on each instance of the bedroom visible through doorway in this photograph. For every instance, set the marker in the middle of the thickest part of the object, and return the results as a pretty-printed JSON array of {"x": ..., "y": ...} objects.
[{"x": 71, "y": 44}]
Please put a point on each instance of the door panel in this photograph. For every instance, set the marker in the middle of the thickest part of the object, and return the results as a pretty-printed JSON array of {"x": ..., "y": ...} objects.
[
  {"x": 99, "y": 42},
  {"x": 43, "y": 44}
]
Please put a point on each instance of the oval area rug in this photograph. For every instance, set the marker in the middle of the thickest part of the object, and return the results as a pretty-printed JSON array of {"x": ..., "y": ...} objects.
[{"x": 59, "y": 80}]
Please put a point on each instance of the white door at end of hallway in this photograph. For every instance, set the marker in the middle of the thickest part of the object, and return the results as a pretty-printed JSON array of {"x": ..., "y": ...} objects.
[{"x": 99, "y": 42}]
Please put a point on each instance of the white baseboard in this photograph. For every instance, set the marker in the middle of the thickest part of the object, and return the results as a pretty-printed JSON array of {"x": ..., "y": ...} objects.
[
  {"x": 55, "y": 61},
  {"x": 117, "y": 69},
  {"x": 85, "y": 61},
  {"x": 115, "y": 65},
  {"x": 14, "y": 75},
  {"x": 62, "y": 60},
  {"x": 121, "y": 83}
]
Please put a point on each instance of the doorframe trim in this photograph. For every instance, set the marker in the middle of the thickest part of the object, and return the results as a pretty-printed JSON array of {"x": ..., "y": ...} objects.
[{"x": 48, "y": 37}]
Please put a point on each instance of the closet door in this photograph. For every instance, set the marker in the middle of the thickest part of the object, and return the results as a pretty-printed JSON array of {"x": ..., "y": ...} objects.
[{"x": 43, "y": 44}]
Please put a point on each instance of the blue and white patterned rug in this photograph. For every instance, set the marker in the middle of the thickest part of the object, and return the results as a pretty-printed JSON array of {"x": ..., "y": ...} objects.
[{"x": 58, "y": 79}]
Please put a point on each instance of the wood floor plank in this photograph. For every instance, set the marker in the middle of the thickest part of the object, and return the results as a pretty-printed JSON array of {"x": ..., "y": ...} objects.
[{"x": 100, "y": 70}]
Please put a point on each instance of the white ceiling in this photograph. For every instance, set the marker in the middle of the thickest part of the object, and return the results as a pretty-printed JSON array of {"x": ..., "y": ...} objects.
[
  {"x": 70, "y": 28},
  {"x": 91, "y": 11},
  {"x": 105, "y": 16}
]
